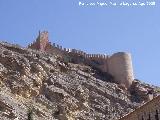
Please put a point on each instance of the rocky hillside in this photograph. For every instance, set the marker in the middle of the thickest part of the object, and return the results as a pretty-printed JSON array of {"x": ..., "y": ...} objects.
[{"x": 40, "y": 86}]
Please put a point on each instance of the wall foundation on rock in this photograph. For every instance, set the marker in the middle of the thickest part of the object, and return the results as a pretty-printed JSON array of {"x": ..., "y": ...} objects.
[{"x": 119, "y": 65}]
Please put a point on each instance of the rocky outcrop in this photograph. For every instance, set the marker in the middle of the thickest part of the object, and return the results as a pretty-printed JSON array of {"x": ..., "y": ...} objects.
[
  {"x": 142, "y": 92},
  {"x": 38, "y": 85}
]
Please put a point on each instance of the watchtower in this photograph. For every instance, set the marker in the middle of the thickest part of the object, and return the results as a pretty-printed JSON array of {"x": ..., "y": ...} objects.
[
  {"x": 41, "y": 41},
  {"x": 120, "y": 66}
]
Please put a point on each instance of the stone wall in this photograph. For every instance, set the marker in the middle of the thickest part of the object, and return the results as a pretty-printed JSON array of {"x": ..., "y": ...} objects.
[
  {"x": 119, "y": 65},
  {"x": 43, "y": 38},
  {"x": 149, "y": 111}
]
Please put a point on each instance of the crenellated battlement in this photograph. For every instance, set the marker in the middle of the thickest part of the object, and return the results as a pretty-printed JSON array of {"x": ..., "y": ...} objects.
[
  {"x": 42, "y": 41},
  {"x": 119, "y": 65}
]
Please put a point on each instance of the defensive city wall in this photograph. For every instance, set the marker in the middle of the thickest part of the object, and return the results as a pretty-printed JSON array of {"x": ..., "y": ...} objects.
[{"x": 119, "y": 65}]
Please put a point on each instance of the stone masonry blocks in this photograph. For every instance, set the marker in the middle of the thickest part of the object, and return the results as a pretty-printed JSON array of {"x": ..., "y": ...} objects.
[{"x": 119, "y": 65}]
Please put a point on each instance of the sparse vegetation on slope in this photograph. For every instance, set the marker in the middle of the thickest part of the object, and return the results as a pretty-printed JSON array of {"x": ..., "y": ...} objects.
[{"x": 56, "y": 89}]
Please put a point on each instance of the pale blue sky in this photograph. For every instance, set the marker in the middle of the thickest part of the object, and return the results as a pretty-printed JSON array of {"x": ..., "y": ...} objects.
[{"x": 92, "y": 29}]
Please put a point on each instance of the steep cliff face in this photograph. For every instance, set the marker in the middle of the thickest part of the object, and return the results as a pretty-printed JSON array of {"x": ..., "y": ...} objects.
[{"x": 40, "y": 86}]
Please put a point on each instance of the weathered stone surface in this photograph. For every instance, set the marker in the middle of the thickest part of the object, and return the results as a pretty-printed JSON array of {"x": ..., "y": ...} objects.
[
  {"x": 141, "y": 92},
  {"x": 148, "y": 111},
  {"x": 39, "y": 84}
]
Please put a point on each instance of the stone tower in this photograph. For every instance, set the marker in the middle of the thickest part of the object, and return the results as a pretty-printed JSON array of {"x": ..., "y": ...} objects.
[
  {"x": 120, "y": 66},
  {"x": 41, "y": 41}
]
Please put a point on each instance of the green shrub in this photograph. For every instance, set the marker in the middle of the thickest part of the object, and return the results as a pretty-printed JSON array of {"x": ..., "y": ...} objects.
[{"x": 30, "y": 114}]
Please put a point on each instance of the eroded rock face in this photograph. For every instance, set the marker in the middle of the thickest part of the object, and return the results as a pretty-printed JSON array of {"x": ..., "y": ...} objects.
[
  {"x": 141, "y": 92},
  {"x": 38, "y": 85}
]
